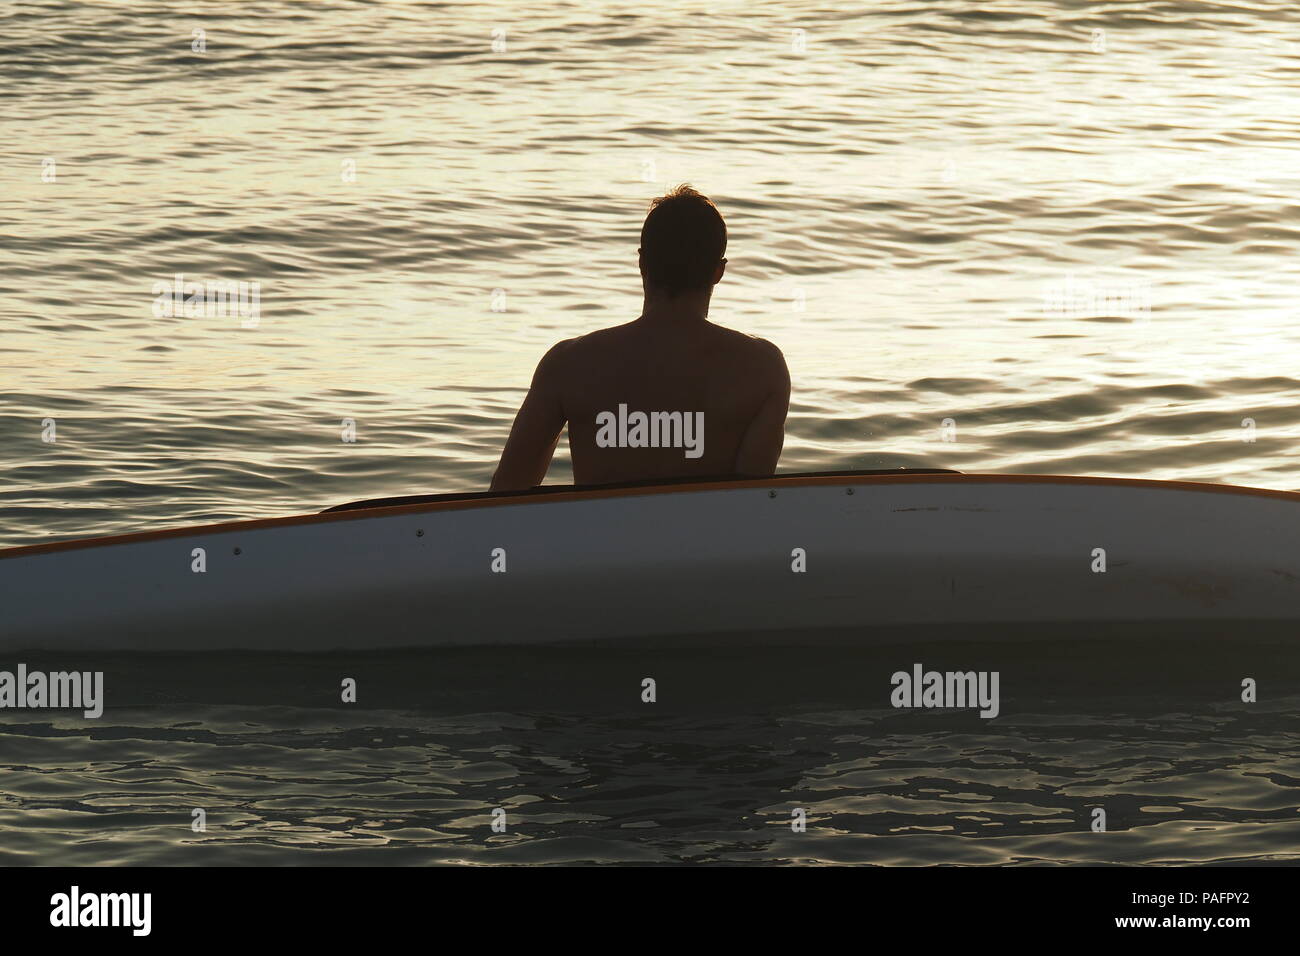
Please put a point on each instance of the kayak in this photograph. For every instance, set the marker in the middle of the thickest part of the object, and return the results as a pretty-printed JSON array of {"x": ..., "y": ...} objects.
[{"x": 799, "y": 558}]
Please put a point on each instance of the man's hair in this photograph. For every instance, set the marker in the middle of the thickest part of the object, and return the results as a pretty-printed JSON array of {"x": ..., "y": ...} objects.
[{"x": 682, "y": 241}]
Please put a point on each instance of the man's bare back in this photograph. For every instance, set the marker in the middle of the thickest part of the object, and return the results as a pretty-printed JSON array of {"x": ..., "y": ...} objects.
[{"x": 668, "y": 395}]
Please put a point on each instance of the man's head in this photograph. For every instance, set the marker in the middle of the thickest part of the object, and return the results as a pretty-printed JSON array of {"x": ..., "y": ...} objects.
[{"x": 682, "y": 244}]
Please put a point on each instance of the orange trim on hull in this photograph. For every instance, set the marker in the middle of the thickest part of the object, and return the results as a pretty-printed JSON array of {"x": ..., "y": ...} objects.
[{"x": 776, "y": 483}]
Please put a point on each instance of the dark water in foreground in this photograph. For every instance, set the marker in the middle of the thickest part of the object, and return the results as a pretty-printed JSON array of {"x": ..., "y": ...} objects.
[{"x": 559, "y": 739}]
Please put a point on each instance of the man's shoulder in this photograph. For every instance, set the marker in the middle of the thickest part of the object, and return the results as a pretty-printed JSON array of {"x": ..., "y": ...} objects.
[
  {"x": 587, "y": 347},
  {"x": 555, "y": 363},
  {"x": 611, "y": 333},
  {"x": 567, "y": 357},
  {"x": 766, "y": 349},
  {"x": 759, "y": 350},
  {"x": 754, "y": 351}
]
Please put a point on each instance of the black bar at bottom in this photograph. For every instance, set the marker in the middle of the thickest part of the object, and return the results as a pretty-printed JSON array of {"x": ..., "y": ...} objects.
[{"x": 332, "y": 905}]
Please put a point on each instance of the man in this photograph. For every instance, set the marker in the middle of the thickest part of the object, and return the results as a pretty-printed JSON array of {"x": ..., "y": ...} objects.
[{"x": 669, "y": 395}]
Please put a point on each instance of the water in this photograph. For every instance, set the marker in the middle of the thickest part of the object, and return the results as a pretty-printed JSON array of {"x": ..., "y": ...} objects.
[
  {"x": 906, "y": 189},
  {"x": 560, "y": 740}
]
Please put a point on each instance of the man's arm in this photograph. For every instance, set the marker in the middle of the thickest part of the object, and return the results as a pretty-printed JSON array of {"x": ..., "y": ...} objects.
[
  {"x": 536, "y": 431},
  {"x": 760, "y": 449}
]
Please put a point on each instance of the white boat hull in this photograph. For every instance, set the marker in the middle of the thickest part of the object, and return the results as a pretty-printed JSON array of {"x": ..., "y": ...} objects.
[{"x": 966, "y": 554}]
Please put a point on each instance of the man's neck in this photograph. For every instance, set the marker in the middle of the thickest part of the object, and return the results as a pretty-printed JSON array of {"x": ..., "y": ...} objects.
[{"x": 682, "y": 310}]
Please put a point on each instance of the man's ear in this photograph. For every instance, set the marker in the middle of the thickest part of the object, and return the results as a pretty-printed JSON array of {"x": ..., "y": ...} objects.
[{"x": 722, "y": 267}]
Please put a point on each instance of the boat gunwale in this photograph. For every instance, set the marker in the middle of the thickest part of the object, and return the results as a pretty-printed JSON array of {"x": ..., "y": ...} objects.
[{"x": 532, "y": 496}]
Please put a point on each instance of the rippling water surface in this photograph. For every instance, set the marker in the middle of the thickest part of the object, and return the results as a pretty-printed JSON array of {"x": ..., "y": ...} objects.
[
  {"x": 909, "y": 188},
  {"x": 560, "y": 741}
]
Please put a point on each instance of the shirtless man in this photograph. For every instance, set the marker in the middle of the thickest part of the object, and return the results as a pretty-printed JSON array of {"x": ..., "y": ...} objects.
[{"x": 669, "y": 395}]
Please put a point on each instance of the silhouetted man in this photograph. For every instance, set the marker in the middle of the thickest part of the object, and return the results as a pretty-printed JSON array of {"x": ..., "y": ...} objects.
[{"x": 668, "y": 395}]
